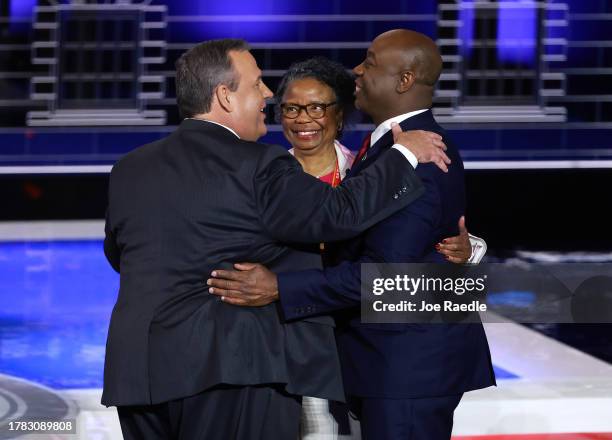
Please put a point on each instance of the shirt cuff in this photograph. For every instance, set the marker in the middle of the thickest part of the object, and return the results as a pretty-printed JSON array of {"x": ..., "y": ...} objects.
[{"x": 409, "y": 155}]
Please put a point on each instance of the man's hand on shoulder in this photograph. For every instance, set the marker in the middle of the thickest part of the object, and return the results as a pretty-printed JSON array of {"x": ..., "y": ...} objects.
[
  {"x": 427, "y": 146},
  {"x": 251, "y": 285}
]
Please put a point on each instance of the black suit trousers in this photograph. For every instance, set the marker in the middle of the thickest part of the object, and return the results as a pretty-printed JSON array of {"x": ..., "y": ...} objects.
[
  {"x": 221, "y": 413},
  {"x": 429, "y": 418}
]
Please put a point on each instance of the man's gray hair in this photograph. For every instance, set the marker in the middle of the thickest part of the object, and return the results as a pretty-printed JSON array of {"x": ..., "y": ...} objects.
[{"x": 201, "y": 69}]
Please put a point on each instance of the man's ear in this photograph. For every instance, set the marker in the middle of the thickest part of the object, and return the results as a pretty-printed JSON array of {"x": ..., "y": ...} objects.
[
  {"x": 223, "y": 94},
  {"x": 406, "y": 81}
]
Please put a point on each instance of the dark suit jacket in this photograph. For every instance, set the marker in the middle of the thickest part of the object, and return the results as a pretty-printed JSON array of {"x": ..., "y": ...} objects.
[
  {"x": 202, "y": 199},
  {"x": 397, "y": 360}
]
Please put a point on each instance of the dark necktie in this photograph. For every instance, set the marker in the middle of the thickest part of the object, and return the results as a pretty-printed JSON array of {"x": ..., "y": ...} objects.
[{"x": 363, "y": 150}]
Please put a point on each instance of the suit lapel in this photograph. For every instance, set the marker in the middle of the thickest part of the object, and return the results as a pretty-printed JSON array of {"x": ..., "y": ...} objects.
[
  {"x": 373, "y": 152},
  {"x": 418, "y": 122}
]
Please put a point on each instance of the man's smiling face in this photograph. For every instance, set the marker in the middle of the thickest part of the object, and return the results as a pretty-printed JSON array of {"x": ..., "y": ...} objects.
[{"x": 250, "y": 97}]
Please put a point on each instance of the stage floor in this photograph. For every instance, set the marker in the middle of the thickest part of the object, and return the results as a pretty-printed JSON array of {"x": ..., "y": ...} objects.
[{"x": 57, "y": 293}]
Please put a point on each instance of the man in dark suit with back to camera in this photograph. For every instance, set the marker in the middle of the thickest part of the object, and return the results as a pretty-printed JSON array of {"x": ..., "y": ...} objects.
[
  {"x": 179, "y": 362},
  {"x": 403, "y": 381}
]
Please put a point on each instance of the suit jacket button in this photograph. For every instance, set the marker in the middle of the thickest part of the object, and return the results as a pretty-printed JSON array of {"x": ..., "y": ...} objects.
[{"x": 395, "y": 196}]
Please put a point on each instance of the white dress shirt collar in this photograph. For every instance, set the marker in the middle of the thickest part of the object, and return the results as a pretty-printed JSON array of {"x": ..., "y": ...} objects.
[
  {"x": 385, "y": 126},
  {"x": 216, "y": 123}
]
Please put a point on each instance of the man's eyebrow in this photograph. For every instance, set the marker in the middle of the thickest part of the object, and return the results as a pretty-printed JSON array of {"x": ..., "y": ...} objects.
[{"x": 371, "y": 54}]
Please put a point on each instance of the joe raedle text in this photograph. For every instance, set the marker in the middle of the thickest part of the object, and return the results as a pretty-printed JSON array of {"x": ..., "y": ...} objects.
[{"x": 424, "y": 306}]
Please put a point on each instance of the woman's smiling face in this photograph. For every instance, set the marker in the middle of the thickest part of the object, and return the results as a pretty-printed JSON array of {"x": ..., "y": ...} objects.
[{"x": 304, "y": 132}]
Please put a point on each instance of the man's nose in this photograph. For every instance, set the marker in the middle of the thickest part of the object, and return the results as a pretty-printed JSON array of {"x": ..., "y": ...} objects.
[
  {"x": 358, "y": 69},
  {"x": 267, "y": 93}
]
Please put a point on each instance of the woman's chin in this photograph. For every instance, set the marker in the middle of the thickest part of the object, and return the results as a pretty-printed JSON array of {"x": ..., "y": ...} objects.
[
  {"x": 306, "y": 142},
  {"x": 304, "y": 146}
]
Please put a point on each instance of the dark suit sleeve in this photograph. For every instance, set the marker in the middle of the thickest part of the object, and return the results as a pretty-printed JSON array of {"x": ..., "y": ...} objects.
[
  {"x": 404, "y": 237},
  {"x": 111, "y": 249},
  {"x": 296, "y": 207}
]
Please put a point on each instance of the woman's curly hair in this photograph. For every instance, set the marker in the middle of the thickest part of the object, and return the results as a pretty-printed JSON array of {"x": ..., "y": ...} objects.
[{"x": 328, "y": 72}]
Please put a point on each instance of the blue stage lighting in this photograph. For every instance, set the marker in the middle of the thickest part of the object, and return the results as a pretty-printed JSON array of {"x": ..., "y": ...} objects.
[{"x": 517, "y": 32}]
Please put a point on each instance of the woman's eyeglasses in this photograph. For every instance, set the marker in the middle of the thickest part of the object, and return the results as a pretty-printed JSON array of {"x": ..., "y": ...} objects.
[{"x": 315, "y": 110}]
